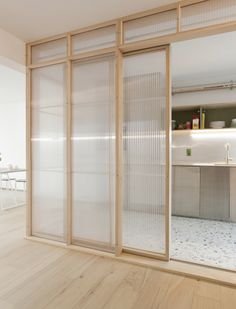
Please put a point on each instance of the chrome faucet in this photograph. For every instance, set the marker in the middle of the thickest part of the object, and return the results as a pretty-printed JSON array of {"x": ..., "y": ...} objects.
[{"x": 227, "y": 149}]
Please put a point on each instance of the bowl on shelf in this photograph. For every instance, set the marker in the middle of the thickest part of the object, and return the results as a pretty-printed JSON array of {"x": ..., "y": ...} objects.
[
  {"x": 233, "y": 123},
  {"x": 217, "y": 124},
  {"x": 173, "y": 123}
]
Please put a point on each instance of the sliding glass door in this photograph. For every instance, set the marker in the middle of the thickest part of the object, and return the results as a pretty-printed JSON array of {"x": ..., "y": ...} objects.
[
  {"x": 93, "y": 152},
  {"x": 119, "y": 147},
  {"x": 146, "y": 158}
]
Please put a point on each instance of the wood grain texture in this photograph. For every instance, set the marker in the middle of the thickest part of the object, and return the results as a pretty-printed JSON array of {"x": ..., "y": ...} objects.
[{"x": 36, "y": 275}]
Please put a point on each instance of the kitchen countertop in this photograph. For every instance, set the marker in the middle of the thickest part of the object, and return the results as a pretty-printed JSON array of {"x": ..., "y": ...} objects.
[{"x": 204, "y": 164}]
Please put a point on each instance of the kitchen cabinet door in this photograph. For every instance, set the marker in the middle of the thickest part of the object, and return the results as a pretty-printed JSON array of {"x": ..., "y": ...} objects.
[
  {"x": 214, "y": 191},
  {"x": 232, "y": 195},
  {"x": 186, "y": 191}
]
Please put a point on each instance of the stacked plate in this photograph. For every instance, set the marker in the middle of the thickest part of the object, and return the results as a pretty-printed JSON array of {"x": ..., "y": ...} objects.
[{"x": 218, "y": 124}]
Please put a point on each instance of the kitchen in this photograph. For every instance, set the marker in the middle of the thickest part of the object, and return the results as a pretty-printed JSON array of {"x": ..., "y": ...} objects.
[{"x": 204, "y": 151}]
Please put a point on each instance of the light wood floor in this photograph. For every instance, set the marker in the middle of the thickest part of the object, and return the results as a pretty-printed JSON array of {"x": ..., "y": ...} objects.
[{"x": 34, "y": 275}]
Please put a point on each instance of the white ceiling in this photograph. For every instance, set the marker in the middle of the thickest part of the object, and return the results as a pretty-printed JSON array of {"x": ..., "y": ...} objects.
[{"x": 34, "y": 19}]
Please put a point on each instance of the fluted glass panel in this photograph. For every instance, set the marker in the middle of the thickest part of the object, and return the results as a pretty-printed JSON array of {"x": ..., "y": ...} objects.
[
  {"x": 93, "y": 152},
  {"x": 207, "y": 13},
  {"x": 94, "y": 39},
  {"x": 49, "y": 51},
  {"x": 144, "y": 155},
  {"x": 48, "y": 140},
  {"x": 150, "y": 26}
]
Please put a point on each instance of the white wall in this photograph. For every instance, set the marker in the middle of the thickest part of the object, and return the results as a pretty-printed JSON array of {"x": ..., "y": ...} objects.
[
  {"x": 12, "y": 117},
  {"x": 12, "y": 100},
  {"x": 12, "y": 49},
  {"x": 206, "y": 146}
]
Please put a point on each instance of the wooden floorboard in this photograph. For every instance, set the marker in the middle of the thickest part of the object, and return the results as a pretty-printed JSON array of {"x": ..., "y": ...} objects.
[{"x": 37, "y": 276}]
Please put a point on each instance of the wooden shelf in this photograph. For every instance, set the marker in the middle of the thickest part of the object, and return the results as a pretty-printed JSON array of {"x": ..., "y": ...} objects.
[
  {"x": 204, "y": 106},
  {"x": 188, "y": 132},
  {"x": 225, "y": 113}
]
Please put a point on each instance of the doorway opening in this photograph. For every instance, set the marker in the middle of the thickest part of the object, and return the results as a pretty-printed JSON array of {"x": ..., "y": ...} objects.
[
  {"x": 12, "y": 142},
  {"x": 204, "y": 151},
  {"x": 145, "y": 152}
]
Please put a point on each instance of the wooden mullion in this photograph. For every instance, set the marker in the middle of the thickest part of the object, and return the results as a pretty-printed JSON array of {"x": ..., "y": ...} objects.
[
  {"x": 93, "y": 53},
  {"x": 190, "y": 2},
  {"x": 161, "y": 9},
  {"x": 48, "y": 63},
  {"x": 168, "y": 154},
  {"x": 179, "y": 22},
  {"x": 68, "y": 145},
  {"x": 94, "y": 27},
  {"x": 119, "y": 154},
  {"x": 48, "y": 39},
  {"x": 119, "y": 33},
  {"x": 28, "y": 147}
]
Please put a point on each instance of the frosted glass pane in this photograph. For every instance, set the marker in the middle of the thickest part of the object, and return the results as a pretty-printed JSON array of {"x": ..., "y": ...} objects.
[
  {"x": 49, "y": 51},
  {"x": 48, "y": 138},
  {"x": 93, "y": 216},
  {"x": 208, "y": 13},
  {"x": 150, "y": 26},
  {"x": 144, "y": 144},
  {"x": 48, "y": 86},
  {"x": 93, "y": 152},
  {"x": 95, "y": 39},
  {"x": 48, "y": 201}
]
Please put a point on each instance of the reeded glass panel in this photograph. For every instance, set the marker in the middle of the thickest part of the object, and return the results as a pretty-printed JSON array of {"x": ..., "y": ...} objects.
[
  {"x": 48, "y": 86},
  {"x": 94, "y": 39},
  {"x": 49, "y": 151},
  {"x": 93, "y": 152},
  {"x": 150, "y": 26},
  {"x": 49, "y": 51},
  {"x": 144, "y": 155},
  {"x": 208, "y": 13}
]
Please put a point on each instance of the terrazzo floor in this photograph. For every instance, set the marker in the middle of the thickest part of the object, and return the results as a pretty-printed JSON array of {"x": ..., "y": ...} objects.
[{"x": 206, "y": 242}]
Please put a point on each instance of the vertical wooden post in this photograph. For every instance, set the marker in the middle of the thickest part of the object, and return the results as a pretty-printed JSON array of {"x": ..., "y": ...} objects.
[
  {"x": 28, "y": 145},
  {"x": 168, "y": 153},
  {"x": 119, "y": 142},
  {"x": 119, "y": 155},
  {"x": 119, "y": 33},
  {"x": 68, "y": 146},
  {"x": 178, "y": 18}
]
